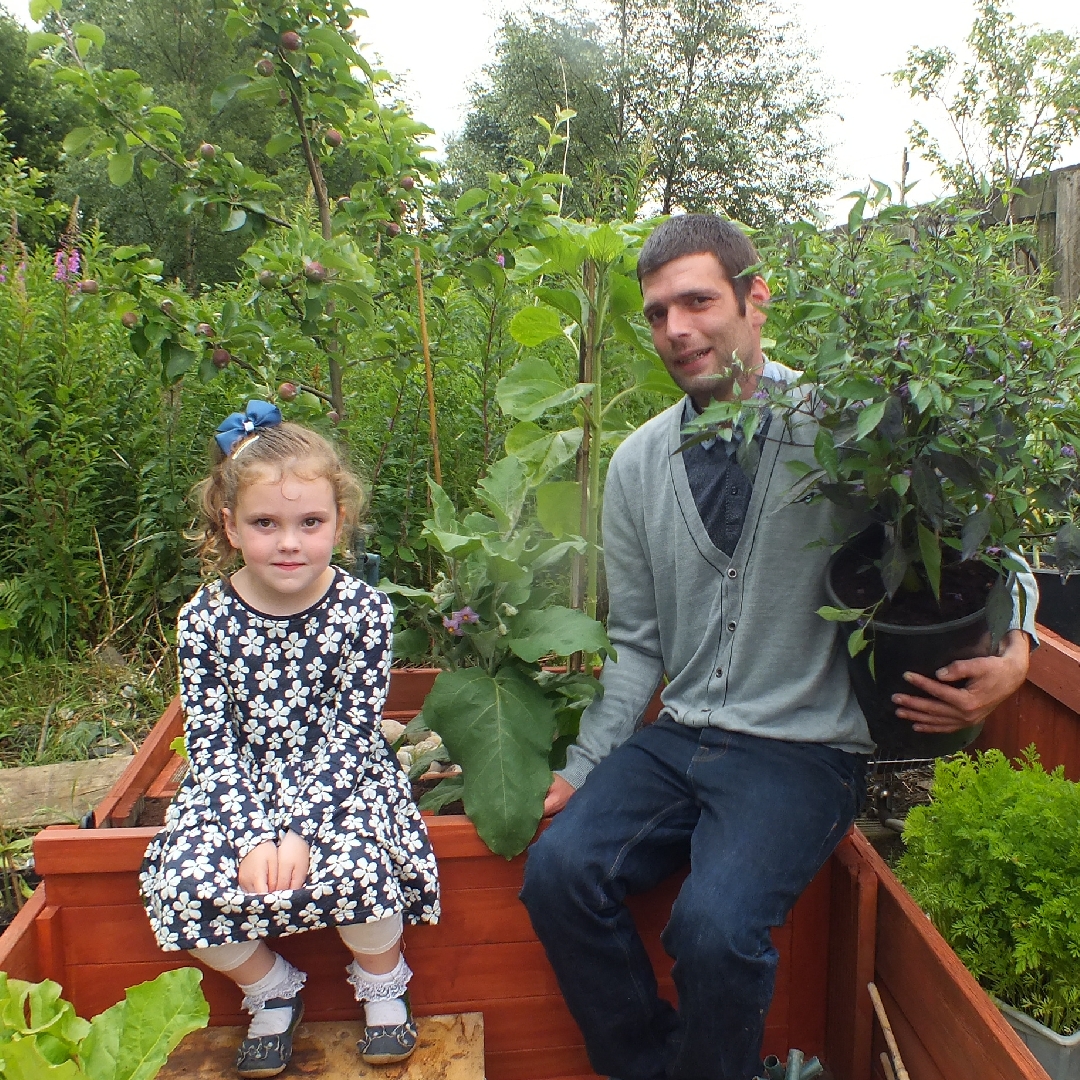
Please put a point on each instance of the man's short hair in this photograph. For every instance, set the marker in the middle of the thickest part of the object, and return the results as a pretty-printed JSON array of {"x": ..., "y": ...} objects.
[{"x": 694, "y": 234}]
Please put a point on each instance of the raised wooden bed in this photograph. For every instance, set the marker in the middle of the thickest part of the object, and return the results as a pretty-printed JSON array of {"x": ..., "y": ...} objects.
[{"x": 86, "y": 929}]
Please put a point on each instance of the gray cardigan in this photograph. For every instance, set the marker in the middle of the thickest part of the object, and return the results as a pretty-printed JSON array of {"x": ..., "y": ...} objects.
[{"x": 738, "y": 638}]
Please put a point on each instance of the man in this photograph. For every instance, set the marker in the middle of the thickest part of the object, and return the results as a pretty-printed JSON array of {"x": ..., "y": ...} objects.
[{"x": 755, "y": 769}]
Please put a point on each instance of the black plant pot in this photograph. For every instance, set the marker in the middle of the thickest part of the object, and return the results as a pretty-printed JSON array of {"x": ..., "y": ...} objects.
[
  {"x": 1059, "y": 602},
  {"x": 896, "y": 649}
]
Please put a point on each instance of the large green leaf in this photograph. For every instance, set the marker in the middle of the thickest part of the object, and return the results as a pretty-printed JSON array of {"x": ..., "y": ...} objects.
[
  {"x": 121, "y": 166},
  {"x": 533, "y": 387},
  {"x": 503, "y": 491},
  {"x": 542, "y": 451},
  {"x": 132, "y": 1040},
  {"x": 559, "y": 630},
  {"x": 533, "y": 326},
  {"x": 499, "y": 729},
  {"x": 558, "y": 506}
]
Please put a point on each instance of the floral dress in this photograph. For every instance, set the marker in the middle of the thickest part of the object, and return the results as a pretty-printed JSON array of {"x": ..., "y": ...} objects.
[{"x": 282, "y": 731}]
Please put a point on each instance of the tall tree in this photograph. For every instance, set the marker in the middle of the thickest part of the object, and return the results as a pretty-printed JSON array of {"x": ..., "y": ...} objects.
[
  {"x": 701, "y": 104},
  {"x": 1012, "y": 106}
]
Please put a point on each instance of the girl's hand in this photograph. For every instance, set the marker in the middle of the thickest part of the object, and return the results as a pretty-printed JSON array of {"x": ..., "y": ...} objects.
[
  {"x": 258, "y": 871},
  {"x": 292, "y": 861}
]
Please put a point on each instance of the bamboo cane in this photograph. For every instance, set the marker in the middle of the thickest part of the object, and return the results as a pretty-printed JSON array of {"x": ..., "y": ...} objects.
[
  {"x": 432, "y": 422},
  {"x": 890, "y": 1038}
]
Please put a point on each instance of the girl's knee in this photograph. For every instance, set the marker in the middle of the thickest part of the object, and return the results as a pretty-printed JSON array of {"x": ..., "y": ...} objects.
[
  {"x": 372, "y": 938},
  {"x": 227, "y": 958}
]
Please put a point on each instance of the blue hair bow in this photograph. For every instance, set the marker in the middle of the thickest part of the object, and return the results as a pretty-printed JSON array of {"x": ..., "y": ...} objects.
[{"x": 238, "y": 425}]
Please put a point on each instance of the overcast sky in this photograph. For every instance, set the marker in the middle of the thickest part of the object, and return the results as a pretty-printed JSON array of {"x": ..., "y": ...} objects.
[{"x": 440, "y": 46}]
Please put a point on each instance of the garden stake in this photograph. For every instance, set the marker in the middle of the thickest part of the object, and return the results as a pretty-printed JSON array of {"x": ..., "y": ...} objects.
[
  {"x": 890, "y": 1038},
  {"x": 427, "y": 368},
  {"x": 886, "y": 1066}
]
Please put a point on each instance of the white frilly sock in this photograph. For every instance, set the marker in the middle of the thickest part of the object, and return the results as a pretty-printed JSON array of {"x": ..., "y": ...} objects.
[
  {"x": 382, "y": 995},
  {"x": 281, "y": 981}
]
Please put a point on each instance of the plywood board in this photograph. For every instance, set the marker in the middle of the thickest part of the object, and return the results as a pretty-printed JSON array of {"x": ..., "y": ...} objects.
[{"x": 449, "y": 1048}]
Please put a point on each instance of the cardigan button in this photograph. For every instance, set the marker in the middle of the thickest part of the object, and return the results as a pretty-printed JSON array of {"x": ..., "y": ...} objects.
[
  {"x": 719, "y": 672},
  {"x": 733, "y": 572},
  {"x": 731, "y": 626}
]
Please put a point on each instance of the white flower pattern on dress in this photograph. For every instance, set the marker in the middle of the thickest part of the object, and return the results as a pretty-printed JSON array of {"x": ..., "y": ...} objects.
[{"x": 282, "y": 732}]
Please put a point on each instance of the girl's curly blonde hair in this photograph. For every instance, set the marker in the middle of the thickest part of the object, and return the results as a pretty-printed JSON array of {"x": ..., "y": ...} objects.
[{"x": 272, "y": 452}]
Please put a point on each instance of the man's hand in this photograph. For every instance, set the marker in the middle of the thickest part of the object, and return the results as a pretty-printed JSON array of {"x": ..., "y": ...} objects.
[
  {"x": 258, "y": 872},
  {"x": 557, "y": 797},
  {"x": 292, "y": 861},
  {"x": 990, "y": 680}
]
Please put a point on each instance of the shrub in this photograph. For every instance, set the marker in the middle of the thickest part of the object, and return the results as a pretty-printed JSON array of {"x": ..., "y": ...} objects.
[{"x": 994, "y": 860}]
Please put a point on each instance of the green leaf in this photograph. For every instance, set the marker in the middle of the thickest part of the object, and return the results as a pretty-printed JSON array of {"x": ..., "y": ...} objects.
[
  {"x": 894, "y": 564},
  {"x": 836, "y": 614},
  {"x": 279, "y": 143},
  {"x": 226, "y": 90},
  {"x": 565, "y": 300},
  {"x": 930, "y": 549},
  {"x": 825, "y": 452},
  {"x": 237, "y": 218},
  {"x": 533, "y": 326},
  {"x": 558, "y": 630},
  {"x": 89, "y": 30},
  {"x": 77, "y": 139},
  {"x": 442, "y": 794},
  {"x": 121, "y": 166},
  {"x": 39, "y": 40},
  {"x": 974, "y": 532},
  {"x": 503, "y": 491},
  {"x": 869, "y": 419},
  {"x": 855, "y": 214},
  {"x": 558, "y": 506},
  {"x": 927, "y": 488},
  {"x": 22, "y": 1059},
  {"x": 856, "y": 641},
  {"x": 542, "y": 451},
  {"x": 604, "y": 244},
  {"x": 472, "y": 197},
  {"x": 40, "y": 8},
  {"x": 148, "y": 166},
  {"x": 999, "y": 611},
  {"x": 499, "y": 729},
  {"x": 132, "y": 1040},
  {"x": 533, "y": 388},
  {"x": 178, "y": 360}
]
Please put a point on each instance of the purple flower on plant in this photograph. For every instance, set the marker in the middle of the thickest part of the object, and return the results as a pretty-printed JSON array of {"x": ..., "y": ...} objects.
[
  {"x": 902, "y": 342},
  {"x": 907, "y": 472},
  {"x": 453, "y": 621},
  {"x": 1000, "y": 380},
  {"x": 989, "y": 496},
  {"x": 877, "y": 379},
  {"x": 3, "y": 273},
  {"x": 67, "y": 264},
  {"x": 993, "y": 551},
  {"x": 852, "y": 291},
  {"x": 858, "y": 487},
  {"x": 1068, "y": 451},
  {"x": 970, "y": 350},
  {"x": 1025, "y": 345},
  {"x": 500, "y": 259},
  {"x": 760, "y": 395}
]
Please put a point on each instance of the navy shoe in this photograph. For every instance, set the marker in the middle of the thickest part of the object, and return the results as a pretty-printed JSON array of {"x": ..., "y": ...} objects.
[
  {"x": 268, "y": 1055},
  {"x": 383, "y": 1044}
]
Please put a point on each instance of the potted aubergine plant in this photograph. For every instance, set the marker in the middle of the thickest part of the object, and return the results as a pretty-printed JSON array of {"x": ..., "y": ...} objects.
[
  {"x": 945, "y": 384},
  {"x": 493, "y": 620},
  {"x": 994, "y": 860}
]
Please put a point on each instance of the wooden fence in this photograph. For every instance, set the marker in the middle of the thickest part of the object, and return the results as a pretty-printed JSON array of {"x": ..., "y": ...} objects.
[{"x": 1052, "y": 204}]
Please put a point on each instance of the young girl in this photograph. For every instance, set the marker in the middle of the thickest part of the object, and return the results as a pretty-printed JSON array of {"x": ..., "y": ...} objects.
[{"x": 294, "y": 814}]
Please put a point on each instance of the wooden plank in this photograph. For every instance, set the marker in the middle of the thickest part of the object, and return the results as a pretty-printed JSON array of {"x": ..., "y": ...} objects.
[
  {"x": 809, "y": 966},
  {"x": 40, "y": 795},
  {"x": 408, "y": 688},
  {"x": 92, "y": 890},
  {"x": 1067, "y": 238},
  {"x": 853, "y": 932},
  {"x": 1055, "y": 667},
  {"x": 19, "y": 952},
  {"x": 947, "y": 1011},
  {"x": 66, "y": 850},
  {"x": 527, "y": 1064},
  {"x": 51, "y": 944},
  {"x": 116, "y": 808},
  {"x": 448, "y": 1048},
  {"x": 918, "y": 1058}
]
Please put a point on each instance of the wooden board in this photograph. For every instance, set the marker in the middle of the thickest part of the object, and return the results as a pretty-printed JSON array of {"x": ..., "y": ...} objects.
[{"x": 449, "y": 1048}]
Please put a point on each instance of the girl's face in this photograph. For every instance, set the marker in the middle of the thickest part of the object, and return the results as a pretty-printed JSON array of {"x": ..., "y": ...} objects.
[{"x": 286, "y": 528}]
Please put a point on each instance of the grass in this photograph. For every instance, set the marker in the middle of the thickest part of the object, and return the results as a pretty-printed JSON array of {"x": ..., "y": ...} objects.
[{"x": 61, "y": 710}]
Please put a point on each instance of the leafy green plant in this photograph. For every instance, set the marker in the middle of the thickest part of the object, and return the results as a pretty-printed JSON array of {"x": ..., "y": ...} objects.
[
  {"x": 944, "y": 381},
  {"x": 41, "y": 1037},
  {"x": 500, "y": 716},
  {"x": 994, "y": 861}
]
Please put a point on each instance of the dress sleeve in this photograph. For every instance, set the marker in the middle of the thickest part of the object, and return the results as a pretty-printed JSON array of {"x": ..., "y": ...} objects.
[
  {"x": 363, "y": 678},
  {"x": 210, "y": 735},
  {"x": 633, "y": 627}
]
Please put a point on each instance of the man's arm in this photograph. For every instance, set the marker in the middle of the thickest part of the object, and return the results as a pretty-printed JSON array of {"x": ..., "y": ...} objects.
[{"x": 631, "y": 680}]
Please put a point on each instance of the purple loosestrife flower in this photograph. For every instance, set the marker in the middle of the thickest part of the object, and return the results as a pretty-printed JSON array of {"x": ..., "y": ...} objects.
[{"x": 3, "y": 273}]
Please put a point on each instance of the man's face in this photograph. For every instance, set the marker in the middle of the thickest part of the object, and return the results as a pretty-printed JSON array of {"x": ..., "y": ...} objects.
[{"x": 697, "y": 327}]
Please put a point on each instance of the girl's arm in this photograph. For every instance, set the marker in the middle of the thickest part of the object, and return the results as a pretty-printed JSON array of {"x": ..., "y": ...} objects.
[
  {"x": 211, "y": 737},
  {"x": 363, "y": 677}
]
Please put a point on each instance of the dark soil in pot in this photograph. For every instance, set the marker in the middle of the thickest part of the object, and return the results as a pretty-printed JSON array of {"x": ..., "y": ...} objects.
[{"x": 910, "y": 633}]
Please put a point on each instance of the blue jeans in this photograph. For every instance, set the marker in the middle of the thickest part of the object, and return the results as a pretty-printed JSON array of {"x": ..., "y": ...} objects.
[{"x": 757, "y": 818}]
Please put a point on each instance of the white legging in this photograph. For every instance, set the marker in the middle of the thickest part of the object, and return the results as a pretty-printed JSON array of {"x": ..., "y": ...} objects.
[{"x": 361, "y": 939}]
